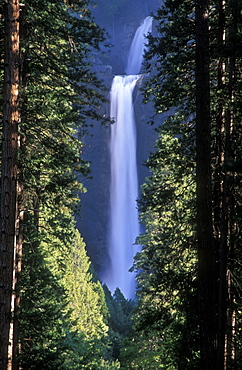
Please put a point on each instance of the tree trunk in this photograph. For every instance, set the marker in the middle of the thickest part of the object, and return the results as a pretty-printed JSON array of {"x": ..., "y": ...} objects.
[
  {"x": 220, "y": 191},
  {"x": 15, "y": 365},
  {"x": 228, "y": 246},
  {"x": 9, "y": 171},
  {"x": 206, "y": 266}
]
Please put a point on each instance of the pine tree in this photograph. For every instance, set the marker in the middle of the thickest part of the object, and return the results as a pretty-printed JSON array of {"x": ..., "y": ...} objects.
[
  {"x": 62, "y": 314},
  {"x": 166, "y": 266},
  {"x": 9, "y": 170},
  {"x": 119, "y": 322},
  {"x": 171, "y": 87},
  {"x": 59, "y": 93}
]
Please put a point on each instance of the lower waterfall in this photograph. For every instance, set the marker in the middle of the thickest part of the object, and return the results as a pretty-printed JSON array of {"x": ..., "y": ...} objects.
[{"x": 124, "y": 223}]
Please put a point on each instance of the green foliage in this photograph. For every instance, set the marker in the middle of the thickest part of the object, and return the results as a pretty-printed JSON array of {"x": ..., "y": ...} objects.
[
  {"x": 171, "y": 57},
  {"x": 62, "y": 311},
  {"x": 62, "y": 308},
  {"x": 166, "y": 314},
  {"x": 71, "y": 264},
  {"x": 43, "y": 314},
  {"x": 145, "y": 351},
  {"x": 119, "y": 321},
  {"x": 165, "y": 319},
  {"x": 59, "y": 94}
]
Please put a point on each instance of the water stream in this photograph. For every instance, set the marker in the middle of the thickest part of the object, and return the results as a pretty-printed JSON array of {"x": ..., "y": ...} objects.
[{"x": 124, "y": 224}]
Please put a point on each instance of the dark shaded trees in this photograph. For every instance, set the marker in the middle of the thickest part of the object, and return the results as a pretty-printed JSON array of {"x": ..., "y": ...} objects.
[
  {"x": 59, "y": 93},
  {"x": 205, "y": 244},
  {"x": 186, "y": 84},
  {"x": 165, "y": 319},
  {"x": 119, "y": 322}
]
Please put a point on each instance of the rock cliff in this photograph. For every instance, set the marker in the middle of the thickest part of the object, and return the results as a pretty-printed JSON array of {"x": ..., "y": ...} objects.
[{"x": 93, "y": 224}]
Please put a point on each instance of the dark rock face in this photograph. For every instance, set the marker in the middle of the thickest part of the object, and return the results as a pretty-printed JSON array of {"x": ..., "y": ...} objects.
[
  {"x": 94, "y": 223},
  {"x": 95, "y": 203},
  {"x": 121, "y": 18}
]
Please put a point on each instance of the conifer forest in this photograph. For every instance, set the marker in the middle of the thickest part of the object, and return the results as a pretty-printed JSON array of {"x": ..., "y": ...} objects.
[{"x": 60, "y": 305}]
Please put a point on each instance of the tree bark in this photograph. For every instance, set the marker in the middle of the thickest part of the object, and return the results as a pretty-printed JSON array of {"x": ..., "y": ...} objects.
[
  {"x": 220, "y": 190},
  {"x": 9, "y": 171},
  {"x": 206, "y": 280},
  {"x": 228, "y": 225}
]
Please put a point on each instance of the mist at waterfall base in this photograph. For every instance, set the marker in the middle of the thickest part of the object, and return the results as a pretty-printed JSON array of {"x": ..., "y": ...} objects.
[{"x": 124, "y": 224}]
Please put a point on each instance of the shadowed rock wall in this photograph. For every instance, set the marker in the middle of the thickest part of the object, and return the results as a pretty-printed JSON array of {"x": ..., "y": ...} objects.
[{"x": 93, "y": 224}]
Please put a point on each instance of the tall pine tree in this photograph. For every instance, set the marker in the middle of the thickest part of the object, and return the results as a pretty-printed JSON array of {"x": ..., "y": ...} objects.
[
  {"x": 212, "y": 29},
  {"x": 59, "y": 93},
  {"x": 10, "y": 121}
]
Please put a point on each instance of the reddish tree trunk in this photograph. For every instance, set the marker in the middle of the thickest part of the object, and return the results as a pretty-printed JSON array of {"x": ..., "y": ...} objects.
[{"x": 9, "y": 171}]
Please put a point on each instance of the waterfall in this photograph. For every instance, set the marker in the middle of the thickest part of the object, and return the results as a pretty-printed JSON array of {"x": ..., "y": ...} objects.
[
  {"x": 124, "y": 224},
  {"x": 137, "y": 49}
]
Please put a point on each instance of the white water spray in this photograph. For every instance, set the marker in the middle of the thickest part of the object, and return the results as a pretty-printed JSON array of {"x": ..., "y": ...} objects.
[
  {"x": 124, "y": 224},
  {"x": 138, "y": 47}
]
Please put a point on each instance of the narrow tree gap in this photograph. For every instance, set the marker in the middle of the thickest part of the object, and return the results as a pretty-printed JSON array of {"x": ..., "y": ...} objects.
[
  {"x": 206, "y": 255},
  {"x": 231, "y": 133}
]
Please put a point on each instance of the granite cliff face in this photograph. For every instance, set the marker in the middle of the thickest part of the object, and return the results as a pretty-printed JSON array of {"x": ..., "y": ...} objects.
[{"x": 93, "y": 224}]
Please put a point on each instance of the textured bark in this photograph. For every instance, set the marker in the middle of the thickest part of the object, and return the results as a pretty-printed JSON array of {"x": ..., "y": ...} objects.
[
  {"x": 228, "y": 224},
  {"x": 17, "y": 277},
  {"x": 16, "y": 346},
  {"x": 220, "y": 198},
  {"x": 9, "y": 171},
  {"x": 206, "y": 256}
]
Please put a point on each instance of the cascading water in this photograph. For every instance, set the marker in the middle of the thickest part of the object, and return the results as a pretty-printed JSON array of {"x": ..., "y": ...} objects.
[
  {"x": 138, "y": 47},
  {"x": 124, "y": 224}
]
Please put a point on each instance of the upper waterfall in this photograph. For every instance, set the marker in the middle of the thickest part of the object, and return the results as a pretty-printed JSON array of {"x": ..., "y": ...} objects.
[{"x": 138, "y": 47}]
